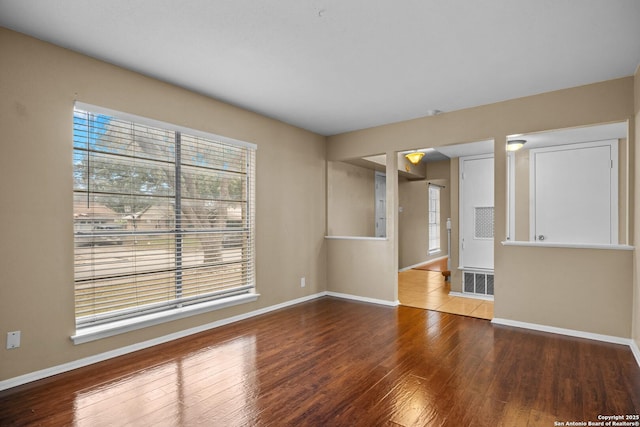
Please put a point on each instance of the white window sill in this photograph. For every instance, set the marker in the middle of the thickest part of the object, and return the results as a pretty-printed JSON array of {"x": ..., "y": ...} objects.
[
  {"x": 355, "y": 238},
  {"x": 566, "y": 245},
  {"x": 93, "y": 333}
]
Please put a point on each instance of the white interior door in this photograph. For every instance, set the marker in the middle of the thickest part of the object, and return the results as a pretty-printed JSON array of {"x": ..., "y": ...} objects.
[
  {"x": 476, "y": 212},
  {"x": 574, "y": 193},
  {"x": 381, "y": 204}
]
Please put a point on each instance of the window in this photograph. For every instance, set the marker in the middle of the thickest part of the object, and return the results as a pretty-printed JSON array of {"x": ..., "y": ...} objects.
[
  {"x": 434, "y": 218},
  {"x": 163, "y": 219}
]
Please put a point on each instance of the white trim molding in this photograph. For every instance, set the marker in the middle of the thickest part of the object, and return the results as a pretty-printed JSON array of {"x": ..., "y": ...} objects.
[
  {"x": 635, "y": 350},
  {"x": 380, "y": 239},
  {"x": 566, "y": 245},
  {"x": 472, "y": 296},
  {"x": 562, "y": 331},
  {"x": 423, "y": 263},
  {"x": 160, "y": 124},
  {"x": 364, "y": 299},
  {"x": 93, "y": 333},
  {"x": 65, "y": 367}
]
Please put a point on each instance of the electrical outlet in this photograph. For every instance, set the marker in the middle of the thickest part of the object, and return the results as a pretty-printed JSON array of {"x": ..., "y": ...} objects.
[
  {"x": 303, "y": 282},
  {"x": 13, "y": 340}
]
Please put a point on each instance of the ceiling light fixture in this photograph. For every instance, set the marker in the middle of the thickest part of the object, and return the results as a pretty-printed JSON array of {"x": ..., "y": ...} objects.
[
  {"x": 515, "y": 144},
  {"x": 414, "y": 157}
]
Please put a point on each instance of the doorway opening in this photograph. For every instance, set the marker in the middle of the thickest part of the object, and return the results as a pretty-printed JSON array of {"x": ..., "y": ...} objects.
[{"x": 451, "y": 171}]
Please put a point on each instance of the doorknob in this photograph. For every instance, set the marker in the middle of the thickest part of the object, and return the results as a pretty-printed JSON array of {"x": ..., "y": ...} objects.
[{"x": 541, "y": 237}]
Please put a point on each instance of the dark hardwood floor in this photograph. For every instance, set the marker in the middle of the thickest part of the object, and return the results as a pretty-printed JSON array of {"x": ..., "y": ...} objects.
[{"x": 331, "y": 362}]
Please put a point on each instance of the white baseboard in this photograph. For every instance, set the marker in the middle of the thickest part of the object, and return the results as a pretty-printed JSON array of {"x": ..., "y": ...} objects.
[
  {"x": 635, "y": 350},
  {"x": 473, "y": 296},
  {"x": 562, "y": 331},
  {"x": 65, "y": 367},
  {"x": 364, "y": 299},
  {"x": 423, "y": 263}
]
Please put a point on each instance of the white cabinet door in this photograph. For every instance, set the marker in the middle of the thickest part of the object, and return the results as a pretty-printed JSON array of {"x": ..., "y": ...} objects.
[
  {"x": 574, "y": 193},
  {"x": 476, "y": 212}
]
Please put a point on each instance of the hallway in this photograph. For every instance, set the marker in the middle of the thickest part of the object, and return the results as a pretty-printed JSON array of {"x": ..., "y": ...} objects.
[{"x": 428, "y": 290}]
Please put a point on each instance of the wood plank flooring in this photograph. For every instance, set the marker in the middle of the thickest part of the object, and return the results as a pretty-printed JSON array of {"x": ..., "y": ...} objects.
[
  {"x": 428, "y": 289},
  {"x": 437, "y": 265},
  {"x": 332, "y": 362}
]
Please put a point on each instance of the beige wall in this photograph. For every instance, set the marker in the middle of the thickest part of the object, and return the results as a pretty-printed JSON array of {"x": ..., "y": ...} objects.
[
  {"x": 368, "y": 267},
  {"x": 603, "y": 102},
  {"x": 581, "y": 289},
  {"x": 454, "y": 251},
  {"x": 517, "y": 269},
  {"x": 361, "y": 268},
  {"x": 413, "y": 221},
  {"x": 350, "y": 200},
  {"x": 39, "y": 83}
]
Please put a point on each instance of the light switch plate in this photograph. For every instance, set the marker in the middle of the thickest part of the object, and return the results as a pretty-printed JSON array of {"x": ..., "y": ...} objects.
[{"x": 13, "y": 340}]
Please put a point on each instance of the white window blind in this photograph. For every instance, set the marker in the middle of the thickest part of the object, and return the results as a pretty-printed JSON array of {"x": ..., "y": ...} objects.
[{"x": 163, "y": 217}]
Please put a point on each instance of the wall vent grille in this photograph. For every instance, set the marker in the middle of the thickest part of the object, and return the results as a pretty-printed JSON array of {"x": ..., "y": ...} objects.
[{"x": 479, "y": 283}]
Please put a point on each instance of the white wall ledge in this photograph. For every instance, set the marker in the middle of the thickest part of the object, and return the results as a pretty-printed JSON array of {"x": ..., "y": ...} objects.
[
  {"x": 381, "y": 239},
  {"x": 566, "y": 245},
  {"x": 93, "y": 333}
]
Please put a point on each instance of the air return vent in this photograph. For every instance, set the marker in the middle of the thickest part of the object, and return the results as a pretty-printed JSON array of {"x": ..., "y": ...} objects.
[
  {"x": 484, "y": 222},
  {"x": 479, "y": 283}
]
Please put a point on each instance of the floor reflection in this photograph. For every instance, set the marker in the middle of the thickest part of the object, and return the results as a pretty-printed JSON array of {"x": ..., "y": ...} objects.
[
  {"x": 336, "y": 362},
  {"x": 212, "y": 385}
]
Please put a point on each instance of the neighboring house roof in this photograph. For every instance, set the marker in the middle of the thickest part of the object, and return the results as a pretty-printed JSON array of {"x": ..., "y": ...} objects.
[
  {"x": 156, "y": 213},
  {"x": 95, "y": 210}
]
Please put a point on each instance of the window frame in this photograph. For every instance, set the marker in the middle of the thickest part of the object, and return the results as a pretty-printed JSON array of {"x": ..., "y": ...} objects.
[
  {"x": 435, "y": 212},
  {"x": 140, "y": 318}
]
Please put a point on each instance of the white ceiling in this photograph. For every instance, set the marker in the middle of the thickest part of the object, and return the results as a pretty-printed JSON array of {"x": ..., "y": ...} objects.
[
  {"x": 466, "y": 149},
  {"x": 332, "y": 66}
]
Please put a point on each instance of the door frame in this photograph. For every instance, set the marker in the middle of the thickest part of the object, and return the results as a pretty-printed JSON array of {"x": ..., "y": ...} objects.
[{"x": 461, "y": 159}]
